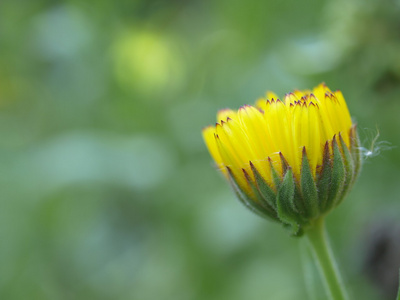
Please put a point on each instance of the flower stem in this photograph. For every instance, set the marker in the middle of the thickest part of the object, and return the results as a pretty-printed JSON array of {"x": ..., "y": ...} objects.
[
  {"x": 398, "y": 293},
  {"x": 322, "y": 253}
]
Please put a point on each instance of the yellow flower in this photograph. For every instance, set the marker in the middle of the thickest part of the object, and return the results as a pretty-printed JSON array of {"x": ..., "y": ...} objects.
[{"x": 259, "y": 147}]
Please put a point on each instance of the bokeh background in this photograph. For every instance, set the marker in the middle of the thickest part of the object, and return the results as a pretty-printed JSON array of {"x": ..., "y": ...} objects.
[{"x": 107, "y": 190}]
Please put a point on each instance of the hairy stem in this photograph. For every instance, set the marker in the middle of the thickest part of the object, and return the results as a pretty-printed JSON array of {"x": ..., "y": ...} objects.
[{"x": 323, "y": 256}]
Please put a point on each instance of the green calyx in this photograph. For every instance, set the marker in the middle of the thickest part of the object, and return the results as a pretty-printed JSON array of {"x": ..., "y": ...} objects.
[{"x": 297, "y": 203}]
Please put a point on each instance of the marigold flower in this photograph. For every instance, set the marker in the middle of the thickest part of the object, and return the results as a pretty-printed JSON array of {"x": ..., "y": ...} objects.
[{"x": 292, "y": 160}]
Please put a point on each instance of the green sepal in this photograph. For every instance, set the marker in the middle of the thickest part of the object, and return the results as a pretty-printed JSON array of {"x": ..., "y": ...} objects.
[
  {"x": 285, "y": 202},
  {"x": 324, "y": 179},
  {"x": 298, "y": 233},
  {"x": 338, "y": 176},
  {"x": 265, "y": 190},
  {"x": 308, "y": 188},
  {"x": 284, "y": 163},
  {"x": 275, "y": 176},
  {"x": 260, "y": 200},
  {"x": 245, "y": 199},
  {"x": 349, "y": 168},
  {"x": 299, "y": 203}
]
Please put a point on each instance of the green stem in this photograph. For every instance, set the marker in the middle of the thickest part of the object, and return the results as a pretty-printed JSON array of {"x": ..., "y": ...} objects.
[
  {"x": 318, "y": 242},
  {"x": 398, "y": 293}
]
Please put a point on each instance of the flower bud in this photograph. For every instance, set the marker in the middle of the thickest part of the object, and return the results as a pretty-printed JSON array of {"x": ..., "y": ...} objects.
[{"x": 291, "y": 161}]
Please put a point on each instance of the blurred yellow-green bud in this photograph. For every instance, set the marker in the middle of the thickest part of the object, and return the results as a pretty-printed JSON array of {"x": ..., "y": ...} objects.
[{"x": 292, "y": 160}]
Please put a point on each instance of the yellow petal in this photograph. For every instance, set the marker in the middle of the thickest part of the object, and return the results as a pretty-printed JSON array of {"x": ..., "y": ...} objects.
[
  {"x": 224, "y": 114},
  {"x": 273, "y": 128},
  {"x": 271, "y": 96},
  {"x": 209, "y": 139}
]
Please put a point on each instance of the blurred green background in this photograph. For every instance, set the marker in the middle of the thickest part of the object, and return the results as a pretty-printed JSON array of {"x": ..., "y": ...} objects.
[{"x": 108, "y": 191}]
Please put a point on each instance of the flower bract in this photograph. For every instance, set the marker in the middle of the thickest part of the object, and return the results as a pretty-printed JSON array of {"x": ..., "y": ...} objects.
[{"x": 291, "y": 159}]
